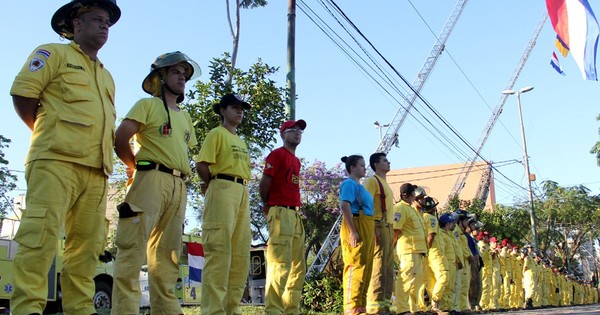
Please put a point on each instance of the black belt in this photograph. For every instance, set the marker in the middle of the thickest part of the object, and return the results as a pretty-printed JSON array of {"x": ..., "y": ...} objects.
[
  {"x": 295, "y": 208},
  {"x": 234, "y": 179},
  {"x": 147, "y": 165}
]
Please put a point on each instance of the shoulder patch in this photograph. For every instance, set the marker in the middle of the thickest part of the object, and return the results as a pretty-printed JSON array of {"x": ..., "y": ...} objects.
[
  {"x": 36, "y": 64},
  {"x": 268, "y": 166},
  {"x": 432, "y": 222},
  {"x": 46, "y": 54},
  {"x": 397, "y": 216}
]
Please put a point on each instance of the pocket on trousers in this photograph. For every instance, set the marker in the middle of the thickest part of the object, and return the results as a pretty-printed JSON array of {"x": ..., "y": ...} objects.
[
  {"x": 129, "y": 232},
  {"x": 278, "y": 251},
  {"x": 32, "y": 229},
  {"x": 214, "y": 237}
]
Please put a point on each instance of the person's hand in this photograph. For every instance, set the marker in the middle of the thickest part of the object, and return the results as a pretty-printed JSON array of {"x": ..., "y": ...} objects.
[
  {"x": 354, "y": 239},
  {"x": 459, "y": 265},
  {"x": 471, "y": 259},
  {"x": 203, "y": 187},
  {"x": 377, "y": 236},
  {"x": 129, "y": 172}
]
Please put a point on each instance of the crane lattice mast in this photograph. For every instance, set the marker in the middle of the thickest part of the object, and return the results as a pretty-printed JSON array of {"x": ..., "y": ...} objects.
[{"x": 466, "y": 170}]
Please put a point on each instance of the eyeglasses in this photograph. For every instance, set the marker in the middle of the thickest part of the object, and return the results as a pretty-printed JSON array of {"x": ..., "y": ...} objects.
[{"x": 297, "y": 130}]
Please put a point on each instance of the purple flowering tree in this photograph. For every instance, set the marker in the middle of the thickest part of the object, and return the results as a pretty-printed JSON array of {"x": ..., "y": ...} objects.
[{"x": 319, "y": 187}]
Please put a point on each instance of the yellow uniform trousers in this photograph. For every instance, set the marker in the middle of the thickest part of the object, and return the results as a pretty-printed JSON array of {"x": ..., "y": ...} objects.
[
  {"x": 409, "y": 282},
  {"x": 505, "y": 297},
  {"x": 457, "y": 289},
  {"x": 486, "y": 287},
  {"x": 381, "y": 285},
  {"x": 448, "y": 295},
  {"x": 463, "y": 302},
  {"x": 358, "y": 263},
  {"x": 286, "y": 266},
  {"x": 517, "y": 298},
  {"x": 152, "y": 234},
  {"x": 496, "y": 290},
  {"x": 63, "y": 198},
  {"x": 226, "y": 239},
  {"x": 437, "y": 276}
]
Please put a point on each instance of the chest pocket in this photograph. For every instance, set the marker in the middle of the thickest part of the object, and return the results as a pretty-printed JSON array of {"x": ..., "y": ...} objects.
[{"x": 75, "y": 87}]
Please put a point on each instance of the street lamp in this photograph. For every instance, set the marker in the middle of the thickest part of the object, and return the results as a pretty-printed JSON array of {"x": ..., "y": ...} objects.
[
  {"x": 526, "y": 158},
  {"x": 379, "y": 126}
]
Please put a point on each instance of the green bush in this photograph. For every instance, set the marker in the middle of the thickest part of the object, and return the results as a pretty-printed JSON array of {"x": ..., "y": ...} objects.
[{"x": 323, "y": 293}]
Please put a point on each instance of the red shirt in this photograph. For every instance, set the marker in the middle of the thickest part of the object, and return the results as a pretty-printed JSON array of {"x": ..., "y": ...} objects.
[{"x": 284, "y": 168}]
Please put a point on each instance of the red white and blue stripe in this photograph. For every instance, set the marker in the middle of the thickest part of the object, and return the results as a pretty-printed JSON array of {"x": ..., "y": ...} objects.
[
  {"x": 577, "y": 31},
  {"x": 195, "y": 262}
]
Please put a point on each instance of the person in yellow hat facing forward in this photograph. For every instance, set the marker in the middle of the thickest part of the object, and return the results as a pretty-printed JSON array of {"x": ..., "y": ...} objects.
[
  {"x": 65, "y": 95},
  {"x": 151, "y": 218}
]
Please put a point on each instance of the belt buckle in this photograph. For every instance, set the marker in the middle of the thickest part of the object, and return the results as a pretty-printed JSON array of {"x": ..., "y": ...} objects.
[
  {"x": 244, "y": 181},
  {"x": 177, "y": 173}
]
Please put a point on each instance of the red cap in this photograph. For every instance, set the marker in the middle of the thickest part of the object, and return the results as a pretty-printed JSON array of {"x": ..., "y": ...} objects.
[
  {"x": 479, "y": 236},
  {"x": 493, "y": 240},
  {"x": 505, "y": 242},
  {"x": 300, "y": 123}
]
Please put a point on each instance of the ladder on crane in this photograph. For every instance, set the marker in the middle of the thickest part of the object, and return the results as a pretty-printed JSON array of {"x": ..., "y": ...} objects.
[
  {"x": 391, "y": 135},
  {"x": 466, "y": 170}
]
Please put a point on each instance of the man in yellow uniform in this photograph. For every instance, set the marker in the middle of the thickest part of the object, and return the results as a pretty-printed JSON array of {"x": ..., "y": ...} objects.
[
  {"x": 461, "y": 262},
  {"x": 154, "y": 208},
  {"x": 496, "y": 275},
  {"x": 66, "y": 97},
  {"x": 486, "y": 271},
  {"x": 224, "y": 166},
  {"x": 437, "y": 264},
  {"x": 507, "y": 278},
  {"x": 516, "y": 298},
  {"x": 280, "y": 192},
  {"x": 409, "y": 236},
  {"x": 529, "y": 281},
  {"x": 381, "y": 285},
  {"x": 468, "y": 258},
  {"x": 447, "y": 222}
]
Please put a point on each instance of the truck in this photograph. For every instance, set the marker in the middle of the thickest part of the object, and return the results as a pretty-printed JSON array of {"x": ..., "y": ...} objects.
[{"x": 8, "y": 249}]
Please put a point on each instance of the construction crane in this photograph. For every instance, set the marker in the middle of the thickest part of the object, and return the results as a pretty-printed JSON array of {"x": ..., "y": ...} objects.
[
  {"x": 466, "y": 170},
  {"x": 391, "y": 136}
]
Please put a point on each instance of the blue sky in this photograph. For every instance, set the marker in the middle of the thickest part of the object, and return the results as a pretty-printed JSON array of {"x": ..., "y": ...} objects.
[{"x": 337, "y": 100}]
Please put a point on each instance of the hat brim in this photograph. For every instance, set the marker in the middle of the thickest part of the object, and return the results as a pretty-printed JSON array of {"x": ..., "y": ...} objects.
[
  {"x": 217, "y": 106},
  {"x": 61, "y": 20}
]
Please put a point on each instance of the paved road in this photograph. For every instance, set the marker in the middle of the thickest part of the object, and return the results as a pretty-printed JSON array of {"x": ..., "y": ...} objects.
[{"x": 584, "y": 310}]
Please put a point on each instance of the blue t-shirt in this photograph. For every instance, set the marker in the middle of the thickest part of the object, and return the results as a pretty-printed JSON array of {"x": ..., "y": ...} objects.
[{"x": 349, "y": 191}]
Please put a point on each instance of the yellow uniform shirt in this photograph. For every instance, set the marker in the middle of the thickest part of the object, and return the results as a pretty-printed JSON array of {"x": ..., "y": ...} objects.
[
  {"x": 449, "y": 248},
  {"x": 225, "y": 153},
  {"x": 432, "y": 226},
  {"x": 373, "y": 188},
  {"x": 170, "y": 150},
  {"x": 460, "y": 253},
  {"x": 410, "y": 223},
  {"x": 486, "y": 256},
  {"x": 76, "y": 118}
]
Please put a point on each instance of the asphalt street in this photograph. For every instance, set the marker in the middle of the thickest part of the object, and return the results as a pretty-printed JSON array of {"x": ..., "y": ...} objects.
[{"x": 583, "y": 309}]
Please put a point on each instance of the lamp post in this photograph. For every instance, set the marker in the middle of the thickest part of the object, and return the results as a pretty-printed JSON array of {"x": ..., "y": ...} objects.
[
  {"x": 379, "y": 126},
  {"x": 526, "y": 158}
]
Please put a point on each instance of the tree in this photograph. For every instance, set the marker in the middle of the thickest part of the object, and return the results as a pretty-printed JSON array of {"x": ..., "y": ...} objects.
[
  {"x": 260, "y": 124},
  {"x": 235, "y": 33},
  {"x": 572, "y": 216},
  {"x": 7, "y": 179},
  {"x": 320, "y": 189},
  {"x": 596, "y": 147}
]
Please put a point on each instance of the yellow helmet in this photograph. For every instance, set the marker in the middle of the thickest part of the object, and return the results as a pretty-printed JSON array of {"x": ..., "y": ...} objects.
[{"x": 153, "y": 80}]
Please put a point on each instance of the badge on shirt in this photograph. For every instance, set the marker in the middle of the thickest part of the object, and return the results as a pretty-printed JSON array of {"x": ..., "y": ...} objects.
[
  {"x": 36, "y": 64},
  {"x": 268, "y": 166},
  {"x": 397, "y": 216},
  {"x": 432, "y": 222},
  {"x": 187, "y": 136}
]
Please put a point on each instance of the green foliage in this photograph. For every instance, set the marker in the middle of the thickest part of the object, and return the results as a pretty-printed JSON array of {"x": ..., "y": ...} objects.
[
  {"x": 323, "y": 293},
  {"x": 596, "y": 148},
  {"x": 7, "y": 179}
]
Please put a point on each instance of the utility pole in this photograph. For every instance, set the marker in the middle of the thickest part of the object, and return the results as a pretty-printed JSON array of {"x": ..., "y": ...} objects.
[
  {"x": 290, "y": 84},
  {"x": 526, "y": 158}
]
